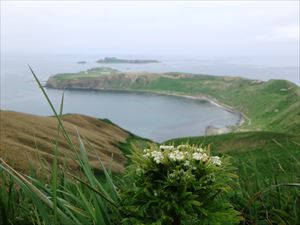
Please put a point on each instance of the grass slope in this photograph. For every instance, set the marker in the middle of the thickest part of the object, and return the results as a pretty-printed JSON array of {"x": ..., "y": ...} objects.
[
  {"x": 266, "y": 150},
  {"x": 268, "y": 166},
  {"x": 272, "y": 106},
  {"x": 25, "y": 139}
]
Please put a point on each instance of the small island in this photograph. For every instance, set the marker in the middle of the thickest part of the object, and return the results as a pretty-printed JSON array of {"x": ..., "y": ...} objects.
[
  {"x": 81, "y": 62},
  {"x": 132, "y": 61}
]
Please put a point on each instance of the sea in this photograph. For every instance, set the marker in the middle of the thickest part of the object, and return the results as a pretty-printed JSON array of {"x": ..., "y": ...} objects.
[{"x": 152, "y": 116}]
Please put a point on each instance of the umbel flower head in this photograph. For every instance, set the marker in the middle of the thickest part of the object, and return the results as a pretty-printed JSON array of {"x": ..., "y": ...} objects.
[
  {"x": 178, "y": 183},
  {"x": 182, "y": 153}
]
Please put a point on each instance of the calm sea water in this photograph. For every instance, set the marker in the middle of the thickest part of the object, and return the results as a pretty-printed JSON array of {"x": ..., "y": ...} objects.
[{"x": 148, "y": 115}]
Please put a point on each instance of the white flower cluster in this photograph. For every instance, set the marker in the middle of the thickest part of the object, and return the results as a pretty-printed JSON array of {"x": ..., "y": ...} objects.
[
  {"x": 166, "y": 147},
  {"x": 215, "y": 160},
  {"x": 200, "y": 156},
  {"x": 184, "y": 153},
  {"x": 156, "y": 155},
  {"x": 176, "y": 155}
]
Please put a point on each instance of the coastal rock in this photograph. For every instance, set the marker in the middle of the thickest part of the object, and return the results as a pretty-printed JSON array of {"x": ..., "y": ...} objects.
[{"x": 213, "y": 130}]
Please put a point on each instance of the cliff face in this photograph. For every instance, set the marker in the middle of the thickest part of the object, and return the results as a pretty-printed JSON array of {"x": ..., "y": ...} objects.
[
  {"x": 106, "y": 81},
  {"x": 107, "y": 78}
]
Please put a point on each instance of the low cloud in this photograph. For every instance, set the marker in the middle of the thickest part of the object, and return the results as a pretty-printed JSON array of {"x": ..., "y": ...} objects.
[{"x": 281, "y": 34}]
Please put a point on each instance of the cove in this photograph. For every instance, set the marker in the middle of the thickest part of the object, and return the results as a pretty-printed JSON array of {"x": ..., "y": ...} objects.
[{"x": 154, "y": 116}]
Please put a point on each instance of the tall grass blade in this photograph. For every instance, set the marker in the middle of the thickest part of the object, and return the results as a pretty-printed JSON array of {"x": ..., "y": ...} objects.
[
  {"x": 54, "y": 185},
  {"x": 65, "y": 133},
  {"x": 37, "y": 196}
]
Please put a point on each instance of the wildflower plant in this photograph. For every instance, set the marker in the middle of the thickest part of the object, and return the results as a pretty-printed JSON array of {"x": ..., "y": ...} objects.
[{"x": 177, "y": 185}]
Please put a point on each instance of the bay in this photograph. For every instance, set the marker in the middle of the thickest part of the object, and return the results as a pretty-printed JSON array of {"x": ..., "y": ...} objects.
[{"x": 149, "y": 115}]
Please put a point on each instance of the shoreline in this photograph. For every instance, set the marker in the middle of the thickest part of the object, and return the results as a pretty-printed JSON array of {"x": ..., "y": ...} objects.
[
  {"x": 211, "y": 100},
  {"x": 242, "y": 117}
]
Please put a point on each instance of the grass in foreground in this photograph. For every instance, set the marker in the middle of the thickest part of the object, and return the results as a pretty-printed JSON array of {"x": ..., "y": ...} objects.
[
  {"x": 64, "y": 198},
  {"x": 267, "y": 192},
  {"x": 268, "y": 166}
]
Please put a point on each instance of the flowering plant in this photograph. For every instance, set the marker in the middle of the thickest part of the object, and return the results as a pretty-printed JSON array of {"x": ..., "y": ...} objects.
[{"x": 177, "y": 185}]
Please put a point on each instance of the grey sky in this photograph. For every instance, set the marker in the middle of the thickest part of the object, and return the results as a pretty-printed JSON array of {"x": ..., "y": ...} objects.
[{"x": 188, "y": 28}]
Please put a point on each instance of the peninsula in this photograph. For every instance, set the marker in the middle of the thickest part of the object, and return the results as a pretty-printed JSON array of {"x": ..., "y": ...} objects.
[
  {"x": 131, "y": 61},
  {"x": 266, "y": 106}
]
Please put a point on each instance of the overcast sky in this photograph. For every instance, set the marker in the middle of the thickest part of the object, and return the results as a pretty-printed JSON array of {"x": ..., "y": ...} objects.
[{"x": 155, "y": 28}]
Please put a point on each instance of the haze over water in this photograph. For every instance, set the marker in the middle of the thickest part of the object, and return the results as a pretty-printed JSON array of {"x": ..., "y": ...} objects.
[
  {"x": 255, "y": 40},
  {"x": 148, "y": 115},
  {"x": 151, "y": 116}
]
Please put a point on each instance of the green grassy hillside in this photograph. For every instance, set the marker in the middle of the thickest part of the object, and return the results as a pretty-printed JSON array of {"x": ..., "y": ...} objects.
[
  {"x": 272, "y": 106},
  {"x": 267, "y": 150},
  {"x": 268, "y": 166}
]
